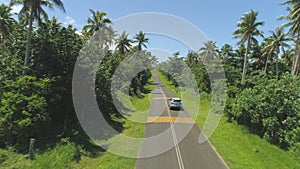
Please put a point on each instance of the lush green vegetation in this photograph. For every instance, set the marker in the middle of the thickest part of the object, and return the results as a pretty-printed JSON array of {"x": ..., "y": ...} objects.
[
  {"x": 37, "y": 64},
  {"x": 78, "y": 151},
  {"x": 270, "y": 108},
  {"x": 38, "y": 57}
]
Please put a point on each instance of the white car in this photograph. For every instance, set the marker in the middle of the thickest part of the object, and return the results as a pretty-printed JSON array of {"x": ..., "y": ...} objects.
[{"x": 174, "y": 103}]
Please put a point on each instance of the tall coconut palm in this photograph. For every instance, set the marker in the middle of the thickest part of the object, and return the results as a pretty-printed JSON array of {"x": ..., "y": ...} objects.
[
  {"x": 278, "y": 39},
  {"x": 208, "y": 52},
  {"x": 268, "y": 52},
  {"x": 294, "y": 29},
  {"x": 35, "y": 10},
  {"x": 6, "y": 24},
  {"x": 141, "y": 39},
  {"x": 123, "y": 43},
  {"x": 96, "y": 22},
  {"x": 246, "y": 33}
]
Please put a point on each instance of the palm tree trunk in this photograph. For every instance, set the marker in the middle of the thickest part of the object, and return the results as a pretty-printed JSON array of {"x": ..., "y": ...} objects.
[
  {"x": 138, "y": 52},
  {"x": 266, "y": 65},
  {"x": 26, "y": 61},
  {"x": 277, "y": 64},
  {"x": 296, "y": 59},
  {"x": 293, "y": 59},
  {"x": 245, "y": 60},
  {"x": 296, "y": 64},
  {"x": 3, "y": 48},
  {"x": 122, "y": 51}
]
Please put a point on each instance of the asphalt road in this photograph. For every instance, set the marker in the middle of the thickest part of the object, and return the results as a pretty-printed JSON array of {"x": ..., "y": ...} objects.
[{"x": 174, "y": 138}]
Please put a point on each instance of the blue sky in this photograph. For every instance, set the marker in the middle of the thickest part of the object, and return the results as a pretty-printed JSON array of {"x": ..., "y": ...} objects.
[{"x": 216, "y": 18}]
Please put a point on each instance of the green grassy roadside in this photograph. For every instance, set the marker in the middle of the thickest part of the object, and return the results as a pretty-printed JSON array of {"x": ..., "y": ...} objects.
[
  {"x": 107, "y": 160},
  {"x": 239, "y": 148},
  {"x": 69, "y": 155},
  {"x": 168, "y": 84}
]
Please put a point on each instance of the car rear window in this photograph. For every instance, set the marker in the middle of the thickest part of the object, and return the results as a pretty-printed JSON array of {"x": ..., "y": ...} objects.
[{"x": 176, "y": 100}]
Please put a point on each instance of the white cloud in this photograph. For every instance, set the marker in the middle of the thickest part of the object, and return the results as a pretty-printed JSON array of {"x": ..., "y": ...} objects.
[{"x": 69, "y": 21}]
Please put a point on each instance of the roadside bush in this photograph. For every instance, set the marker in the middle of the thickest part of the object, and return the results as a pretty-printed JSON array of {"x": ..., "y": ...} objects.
[
  {"x": 231, "y": 93},
  {"x": 22, "y": 109},
  {"x": 271, "y": 108}
]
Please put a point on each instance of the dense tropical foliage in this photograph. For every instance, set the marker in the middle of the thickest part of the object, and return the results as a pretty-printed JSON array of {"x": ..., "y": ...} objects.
[
  {"x": 37, "y": 63},
  {"x": 266, "y": 102},
  {"x": 39, "y": 103}
]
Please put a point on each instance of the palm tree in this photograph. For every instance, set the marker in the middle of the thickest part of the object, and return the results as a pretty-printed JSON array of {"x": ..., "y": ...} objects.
[
  {"x": 278, "y": 39},
  {"x": 294, "y": 29},
  {"x": 35, "y": 10},
  {"x": 192, "y": 58},
  {"x": 107, "y": 36},
  {"x": 6, "y": 24},
  {"x": 246, "y": 33},
  {"x": 267, "y": 52},
  {"x": 226, "y": 51},
  {"x": 288, "y": 57},
  {"x": 84, "y": 34},
  {"x": 96, "y": 22},
  {"x": 238, "y": 57},
  {"x": 141, "y": 39},
  {"x": 208, "y": 52},
  {"x": 123, "y": 43},
  {"x": 153, "y": 61}
]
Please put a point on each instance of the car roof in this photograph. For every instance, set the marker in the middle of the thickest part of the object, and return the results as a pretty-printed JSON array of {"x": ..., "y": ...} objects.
[{"x": 175, "y": 98}]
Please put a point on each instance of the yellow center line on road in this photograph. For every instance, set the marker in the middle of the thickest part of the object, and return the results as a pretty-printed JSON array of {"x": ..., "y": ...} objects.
[
  {"x": 161, "y": 98},
  {"x": 168, "y": 119},
  {"x": 177, "y": 149}
]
